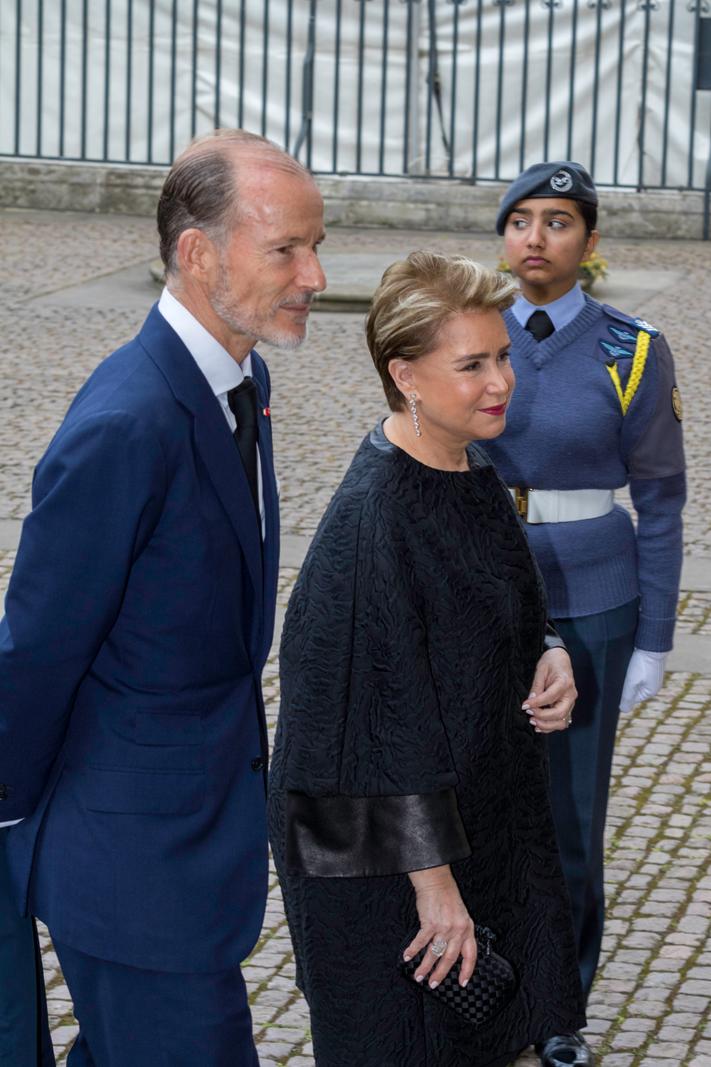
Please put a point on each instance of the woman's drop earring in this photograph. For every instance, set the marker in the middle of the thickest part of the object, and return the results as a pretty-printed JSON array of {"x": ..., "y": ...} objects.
[{"x": 412, "y": 404}]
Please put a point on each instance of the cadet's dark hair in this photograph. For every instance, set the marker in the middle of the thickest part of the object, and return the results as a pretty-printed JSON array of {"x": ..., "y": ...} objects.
[
  {"x": 201, "y": 190},
  {"x": 589, "y": 213}
]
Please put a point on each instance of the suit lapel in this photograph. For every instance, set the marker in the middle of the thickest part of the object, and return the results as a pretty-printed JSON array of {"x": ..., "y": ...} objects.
[
  {"x": 212, "y": 437},
  {"x": 271, "y": 512}
]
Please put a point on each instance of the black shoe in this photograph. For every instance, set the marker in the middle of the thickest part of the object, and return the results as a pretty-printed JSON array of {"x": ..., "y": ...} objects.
[{"x": 566, "y": 1050}]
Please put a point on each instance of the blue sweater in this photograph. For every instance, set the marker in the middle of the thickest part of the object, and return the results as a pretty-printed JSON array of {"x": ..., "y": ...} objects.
[{"x": 566, "y": 430}]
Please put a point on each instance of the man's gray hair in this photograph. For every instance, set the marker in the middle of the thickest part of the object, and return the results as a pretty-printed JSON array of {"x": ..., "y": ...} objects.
[{"x": 201, "y": 190}]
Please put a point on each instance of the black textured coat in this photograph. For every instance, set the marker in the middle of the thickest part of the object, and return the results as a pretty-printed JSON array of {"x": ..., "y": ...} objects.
[{"x": 409, "y": 645}]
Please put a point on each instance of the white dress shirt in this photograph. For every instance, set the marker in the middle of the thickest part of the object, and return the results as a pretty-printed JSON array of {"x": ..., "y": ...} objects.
[{"x": 221, "y": 370}]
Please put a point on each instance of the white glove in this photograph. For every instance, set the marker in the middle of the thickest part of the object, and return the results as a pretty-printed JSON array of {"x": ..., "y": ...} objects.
[{"x": 644, "y": 677}]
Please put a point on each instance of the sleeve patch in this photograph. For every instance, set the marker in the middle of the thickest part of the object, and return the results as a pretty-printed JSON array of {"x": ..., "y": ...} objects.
[{"x": 677, "y": 406}]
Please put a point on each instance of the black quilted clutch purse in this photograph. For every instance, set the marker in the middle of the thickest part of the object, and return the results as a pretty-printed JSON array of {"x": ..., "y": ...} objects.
[{"x": 489, "y": 989}]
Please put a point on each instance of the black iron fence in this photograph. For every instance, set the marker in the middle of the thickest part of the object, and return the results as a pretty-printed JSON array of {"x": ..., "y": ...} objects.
[{"x": 465, "y": 89}]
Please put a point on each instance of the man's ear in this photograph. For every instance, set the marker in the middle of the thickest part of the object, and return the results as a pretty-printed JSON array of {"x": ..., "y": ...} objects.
[
  {"x": 402, "y": 373},
  {"x": 197, "y": 255}
]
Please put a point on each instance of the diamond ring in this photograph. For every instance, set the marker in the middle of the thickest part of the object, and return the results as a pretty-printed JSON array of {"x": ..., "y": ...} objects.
[{"x": 438, "y": 946}]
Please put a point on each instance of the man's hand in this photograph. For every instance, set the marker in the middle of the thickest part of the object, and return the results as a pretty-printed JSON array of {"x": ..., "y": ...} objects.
[{"x": 553, "y": 693}]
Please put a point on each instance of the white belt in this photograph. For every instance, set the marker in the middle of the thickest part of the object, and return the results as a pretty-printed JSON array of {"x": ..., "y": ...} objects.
[{"x": 562, "y": 505}]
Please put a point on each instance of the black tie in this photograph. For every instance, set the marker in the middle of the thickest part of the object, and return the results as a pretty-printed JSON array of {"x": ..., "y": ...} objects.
[
  {"x": 540, "y": 325},
  {"x": 243, "y": 404}
]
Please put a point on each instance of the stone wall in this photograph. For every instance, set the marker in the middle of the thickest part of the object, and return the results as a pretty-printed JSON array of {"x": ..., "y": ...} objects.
[{"x": 350, "y": 201}]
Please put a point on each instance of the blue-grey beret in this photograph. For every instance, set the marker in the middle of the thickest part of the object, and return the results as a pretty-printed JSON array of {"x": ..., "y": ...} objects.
[{"x": 557, "y": 179}]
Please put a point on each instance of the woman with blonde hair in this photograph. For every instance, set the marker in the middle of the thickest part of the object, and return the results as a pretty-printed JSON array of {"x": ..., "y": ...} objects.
[{"x": 409, "y": 810}]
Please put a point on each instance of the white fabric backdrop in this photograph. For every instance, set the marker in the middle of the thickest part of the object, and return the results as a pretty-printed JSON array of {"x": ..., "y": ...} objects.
[{"x": 504, "y": 100}]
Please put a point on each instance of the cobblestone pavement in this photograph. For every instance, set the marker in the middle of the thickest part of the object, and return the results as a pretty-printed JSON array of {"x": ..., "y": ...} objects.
[{"x": 650, "y": 1004}]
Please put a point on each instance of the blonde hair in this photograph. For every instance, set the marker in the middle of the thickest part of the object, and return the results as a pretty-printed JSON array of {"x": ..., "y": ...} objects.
[{"x": 414, "y": 300}]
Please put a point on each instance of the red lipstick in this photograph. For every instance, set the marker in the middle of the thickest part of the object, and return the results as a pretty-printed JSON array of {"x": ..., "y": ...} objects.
[{"x": 494, "y": 411}]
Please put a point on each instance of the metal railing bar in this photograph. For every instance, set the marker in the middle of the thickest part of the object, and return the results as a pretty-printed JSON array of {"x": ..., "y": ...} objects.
[
  {"x": 129, "y": 75},
  {"x": 336, "y": 88},
  {"x": 618, "y": 102},
  {"x": 193, "y": 69},
  {"x": 549, "y": 82},
  {"x": 107, "y": 77},
  {"x": 84, "y": 71},
  {"x": 151, "y": 77},
  {"x": 596, "y": 87},
  {"x": 524, "y": 85},
  {"x": 694, "y": 96},
  {"x": 62, "y": 72},
  {"x": 359, "y": 87},
  {"x": 173, "y": 77},
  {"x": 216, "y": 110},
  {"x": 18, "y": 72},
  {"x": 453, "y": 91},
  {"x": 408, "y": 90},
  {"x": 240, "y": 73},
  {"x": 289, "y": 50},
  {"x": 307, "y": 90},
  {"x": 667, "y": 93},
  {"x": 477, "y": 86},
  {"x": 643, "y": 105},
  {"x": 571, "y": 83},
  {"x": 265, "y": 66},
  {"x": 432, "y": 76},
  {"x": 384, "y": 86},
  {"x": 500, "y": 88},
  {"x": 40, "y": 72}
]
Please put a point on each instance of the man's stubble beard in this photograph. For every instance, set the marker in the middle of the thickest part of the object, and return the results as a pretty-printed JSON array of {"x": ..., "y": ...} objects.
[{"x": 258, "y": 327}]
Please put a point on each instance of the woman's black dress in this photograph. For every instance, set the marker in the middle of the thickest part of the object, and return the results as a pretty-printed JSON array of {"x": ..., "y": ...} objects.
[{"x": 409, "y": 645}]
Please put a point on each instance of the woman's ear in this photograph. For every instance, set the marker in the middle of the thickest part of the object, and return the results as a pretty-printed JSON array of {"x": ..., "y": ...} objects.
[
  {"x": 402, "y": 373},
  {"x": 591, "y": 245}
]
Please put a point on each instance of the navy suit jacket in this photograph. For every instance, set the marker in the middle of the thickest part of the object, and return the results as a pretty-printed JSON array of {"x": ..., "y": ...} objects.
[{"x": 138, "y": 620}]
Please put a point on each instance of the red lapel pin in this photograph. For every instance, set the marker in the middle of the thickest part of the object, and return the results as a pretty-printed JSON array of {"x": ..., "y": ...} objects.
[{"x": 266, "y": 411}]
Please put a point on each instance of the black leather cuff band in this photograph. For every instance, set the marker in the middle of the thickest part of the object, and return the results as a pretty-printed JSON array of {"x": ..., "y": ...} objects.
[{"x": 357, "y": 837}]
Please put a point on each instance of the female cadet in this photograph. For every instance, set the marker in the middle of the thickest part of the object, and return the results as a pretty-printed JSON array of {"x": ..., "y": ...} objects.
[{"x": 596, "y": 408}]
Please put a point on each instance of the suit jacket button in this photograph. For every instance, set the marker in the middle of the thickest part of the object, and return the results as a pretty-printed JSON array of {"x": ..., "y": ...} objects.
[{"x": 257, "y": 763}]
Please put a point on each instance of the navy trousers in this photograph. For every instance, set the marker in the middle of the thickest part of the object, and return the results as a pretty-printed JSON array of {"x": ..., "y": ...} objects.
[
  {"x": 600, "y": 648},
  {"x": 24, "y": 1030},
  {"x": 130, "y": 1017}
]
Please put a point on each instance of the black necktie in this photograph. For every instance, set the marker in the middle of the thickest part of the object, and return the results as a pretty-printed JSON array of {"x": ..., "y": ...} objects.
[
  {"x": 540, "y": 325},
  {"x": 243, "y": 404}
]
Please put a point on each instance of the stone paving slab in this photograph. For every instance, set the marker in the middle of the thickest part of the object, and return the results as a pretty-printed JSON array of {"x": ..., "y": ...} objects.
[{"x": 650, "y": 1005}]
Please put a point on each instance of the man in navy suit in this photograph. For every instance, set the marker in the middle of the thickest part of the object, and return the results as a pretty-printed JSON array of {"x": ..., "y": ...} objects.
[{"x": 138, "y": 620}]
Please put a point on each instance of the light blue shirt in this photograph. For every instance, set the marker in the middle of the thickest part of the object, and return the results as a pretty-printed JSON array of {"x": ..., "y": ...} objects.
[{"x": 560, "y": 311}]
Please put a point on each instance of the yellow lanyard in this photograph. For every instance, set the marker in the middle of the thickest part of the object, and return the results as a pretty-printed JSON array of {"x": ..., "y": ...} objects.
[{"x": 638, "y": 363}]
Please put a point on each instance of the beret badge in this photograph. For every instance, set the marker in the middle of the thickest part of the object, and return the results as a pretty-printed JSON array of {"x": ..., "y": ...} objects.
[{"x": 562, "y": 182}]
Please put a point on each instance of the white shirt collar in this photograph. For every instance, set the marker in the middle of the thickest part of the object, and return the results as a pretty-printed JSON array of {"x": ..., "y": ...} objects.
[
  {"x": 221, "y": 370},
  {"x": 560, "y": 311}
]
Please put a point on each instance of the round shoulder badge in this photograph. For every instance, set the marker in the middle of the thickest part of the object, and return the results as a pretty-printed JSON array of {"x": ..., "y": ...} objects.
[
  {"x": 677, "y": 406},
  {"x": 562, "y": 181}
]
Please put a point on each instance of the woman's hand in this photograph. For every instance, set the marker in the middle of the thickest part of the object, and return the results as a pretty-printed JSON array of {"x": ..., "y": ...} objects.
[
  {"x": 444, "y": 921},
  {"x": 553, "y": 693}
]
